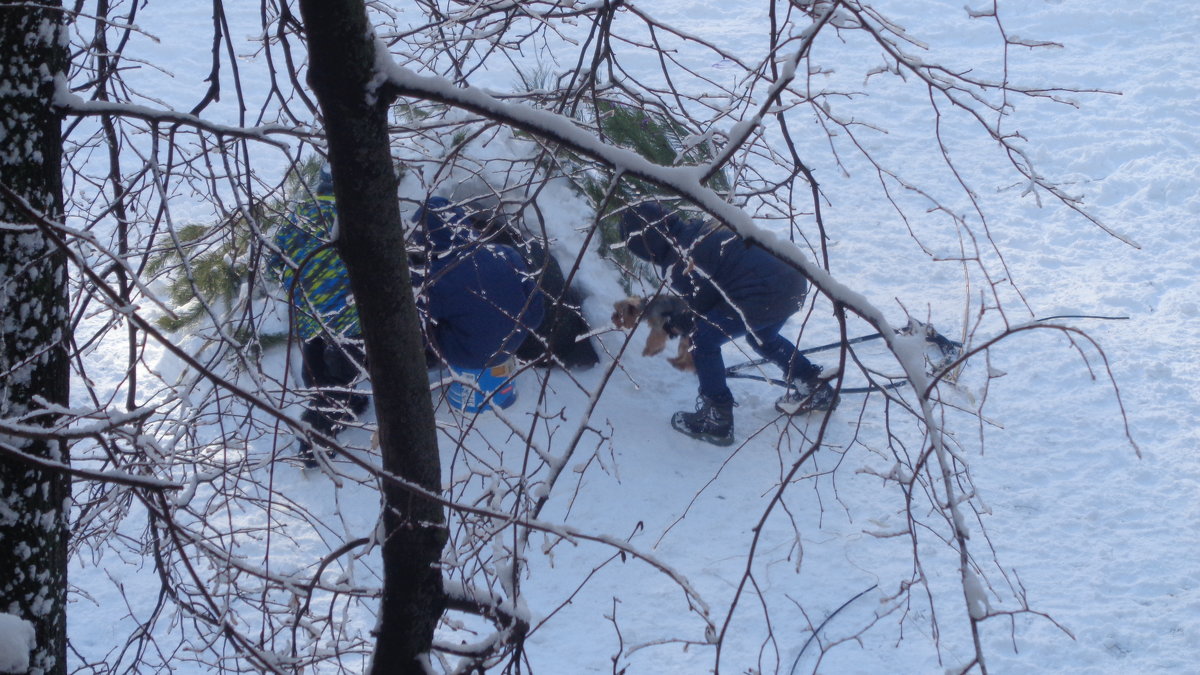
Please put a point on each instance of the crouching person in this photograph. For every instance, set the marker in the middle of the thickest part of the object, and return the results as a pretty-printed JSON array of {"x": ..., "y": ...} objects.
[
  {"x": 478, "y": 302},
  {"x": 323, "y": 314},
  {"x": 733, "y": 290}
]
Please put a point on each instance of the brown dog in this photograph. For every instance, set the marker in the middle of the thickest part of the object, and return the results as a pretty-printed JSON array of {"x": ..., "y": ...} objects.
[{"x": 658, "y": 312}]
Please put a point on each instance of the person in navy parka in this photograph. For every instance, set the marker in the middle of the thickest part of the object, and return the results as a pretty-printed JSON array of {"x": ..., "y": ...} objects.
[
  {"x": 478, "y": 301},
  {"x": 734, "y": 290}
]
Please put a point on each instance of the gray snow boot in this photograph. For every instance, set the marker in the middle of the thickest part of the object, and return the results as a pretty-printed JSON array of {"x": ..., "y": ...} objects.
[{"x": 712, "y": 422}]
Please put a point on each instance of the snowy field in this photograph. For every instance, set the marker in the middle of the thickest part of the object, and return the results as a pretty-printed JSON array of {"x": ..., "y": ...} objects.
[{"x": 1090, "y": 502}]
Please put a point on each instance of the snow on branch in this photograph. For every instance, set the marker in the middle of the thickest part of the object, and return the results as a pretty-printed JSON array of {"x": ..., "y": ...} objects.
[
  {"x": 687, "y": 182},
  {"x": 55, "y": 230},
  {"x": 742, "y": 131},
  {"x": 683, "y": 180},
  {"x": 118, "y": 477},
  {"x": 74, "y": 104},
  {"x": 108, "y": 421}
]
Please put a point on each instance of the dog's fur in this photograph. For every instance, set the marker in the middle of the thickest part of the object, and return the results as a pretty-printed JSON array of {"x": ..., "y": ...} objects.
[{"x": 657, "y": 312}]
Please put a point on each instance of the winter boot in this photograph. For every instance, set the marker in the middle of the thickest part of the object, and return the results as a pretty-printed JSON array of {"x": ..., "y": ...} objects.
[
  {"x": 306, "y": 456},
  {"x": 807, "y": 397},
  {"x": 712, "y": 422}
]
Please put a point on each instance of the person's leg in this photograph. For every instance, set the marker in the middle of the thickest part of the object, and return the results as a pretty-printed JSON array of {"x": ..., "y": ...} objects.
[
  {"x": 712, "y": 420},
  {"x": 312, "y": 358},
  {"x": 316, "y": 376},
  {"x": 344, "y": 363},
  {"x": 312, "y": 374},
  {"x": 783, "y": 353},
  {"x": 331, "y": 370},
  {"x": 808, "y": 392},
  {"x": 711, "y": 333}
]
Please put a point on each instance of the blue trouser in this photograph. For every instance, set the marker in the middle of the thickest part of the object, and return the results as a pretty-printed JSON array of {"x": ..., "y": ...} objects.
[{"x": 714, "y": 330}]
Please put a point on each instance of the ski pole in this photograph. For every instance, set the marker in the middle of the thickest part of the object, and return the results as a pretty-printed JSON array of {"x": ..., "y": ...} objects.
[
  {"x": 811, "y": 350},
  {"x": 945, "y": 344}
]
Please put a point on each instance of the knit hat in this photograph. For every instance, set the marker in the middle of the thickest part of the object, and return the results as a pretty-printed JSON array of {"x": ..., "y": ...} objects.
[{"x": 325, "y": 180}]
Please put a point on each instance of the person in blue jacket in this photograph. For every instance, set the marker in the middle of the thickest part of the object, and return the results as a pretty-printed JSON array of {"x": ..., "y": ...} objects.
[
  {"x": 323, "y": 313},
  {"x": 734, "y": 290},
  {"x": 478, "y": 300}
]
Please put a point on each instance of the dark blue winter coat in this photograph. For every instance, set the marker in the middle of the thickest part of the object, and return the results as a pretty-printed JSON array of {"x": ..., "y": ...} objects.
[
  {"x": 479, "y": 299},
  {"x": 712, "y": 267}
]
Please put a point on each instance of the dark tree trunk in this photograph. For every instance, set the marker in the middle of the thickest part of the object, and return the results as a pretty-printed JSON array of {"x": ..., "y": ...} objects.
[
  {"x": 34, "y": 503},
  {"x": 371, "y": 242}
]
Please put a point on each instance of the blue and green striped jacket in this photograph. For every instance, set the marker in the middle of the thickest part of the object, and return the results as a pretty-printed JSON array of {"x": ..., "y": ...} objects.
[{"x": 322, "y": 304}]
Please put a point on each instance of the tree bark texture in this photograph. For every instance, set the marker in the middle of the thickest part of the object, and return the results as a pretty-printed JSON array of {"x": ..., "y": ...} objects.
[
  {"x": 371, "y": 242},
  {"x": 34, "y": 503}
]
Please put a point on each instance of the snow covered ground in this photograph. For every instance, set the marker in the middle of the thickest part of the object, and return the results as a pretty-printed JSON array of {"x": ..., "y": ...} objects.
[{"x": 1100, "y": 539}]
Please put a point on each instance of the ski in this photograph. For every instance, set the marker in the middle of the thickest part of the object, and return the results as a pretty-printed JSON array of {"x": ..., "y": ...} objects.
[
  {"x": 888, "y": 386},
  {"x": 947, "y": 352}
]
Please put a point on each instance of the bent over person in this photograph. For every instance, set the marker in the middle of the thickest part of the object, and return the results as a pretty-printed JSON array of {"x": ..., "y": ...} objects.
[
  {"x": 478, "y": 301},
  {"x": 733, "y": 289},
  {"x": 323, "y": 313}
]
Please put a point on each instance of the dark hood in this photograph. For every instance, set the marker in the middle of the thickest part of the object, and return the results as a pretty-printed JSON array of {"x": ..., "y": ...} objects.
[
  {"x": 442, "y": 225},
  {"x": 649, "y": 231}
]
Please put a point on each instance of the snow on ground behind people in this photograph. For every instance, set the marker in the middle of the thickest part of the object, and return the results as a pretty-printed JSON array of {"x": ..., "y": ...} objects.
[{"x": 1103, "y": 541}]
